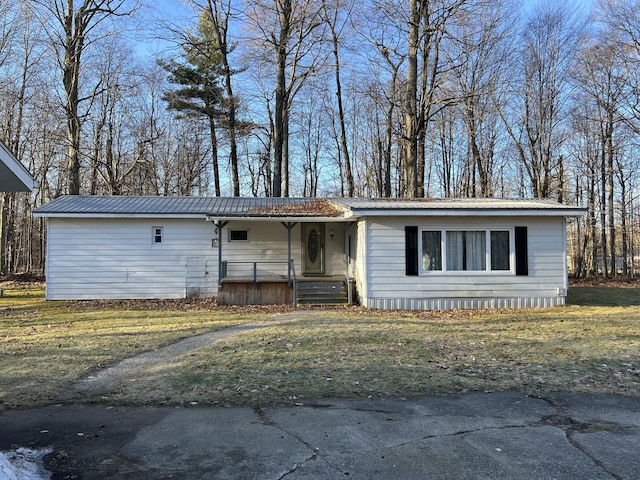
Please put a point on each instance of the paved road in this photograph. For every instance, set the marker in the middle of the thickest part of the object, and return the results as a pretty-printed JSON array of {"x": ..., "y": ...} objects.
[{"x": 472, "y": 436}]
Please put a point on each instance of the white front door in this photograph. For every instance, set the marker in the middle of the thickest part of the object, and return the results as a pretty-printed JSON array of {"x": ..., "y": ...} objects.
[{"x": 313, "y": 248}]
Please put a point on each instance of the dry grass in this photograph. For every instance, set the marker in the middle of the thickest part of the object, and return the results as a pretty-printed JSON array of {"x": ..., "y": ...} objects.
[
  {"x": 360, "y": 353},
  {"x": 592, "y": 345},
  {"x": 47, "y": 346}
]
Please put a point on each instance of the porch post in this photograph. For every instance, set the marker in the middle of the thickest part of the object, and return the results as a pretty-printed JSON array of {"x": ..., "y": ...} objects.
[
  {"x": 219, "y": 226},
  {"x": 346, "y": 227},
  {"x": 289, "y": 226}
]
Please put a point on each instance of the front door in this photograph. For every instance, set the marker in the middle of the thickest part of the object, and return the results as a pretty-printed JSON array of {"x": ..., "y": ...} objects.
[{"x": 313, "y": 248}]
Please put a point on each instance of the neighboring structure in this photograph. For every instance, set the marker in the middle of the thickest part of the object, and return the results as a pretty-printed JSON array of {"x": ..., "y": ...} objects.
[
  {"x": 13, "y": 176},
  {"x": 382, "y": 253}
]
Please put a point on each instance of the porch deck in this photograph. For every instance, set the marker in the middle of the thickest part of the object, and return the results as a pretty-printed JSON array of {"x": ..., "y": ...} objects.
[{"x": 275, "y": 290}]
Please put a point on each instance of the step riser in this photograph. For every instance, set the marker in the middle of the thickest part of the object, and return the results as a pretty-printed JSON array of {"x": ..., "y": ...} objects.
[{"x": 322, "y": 293}]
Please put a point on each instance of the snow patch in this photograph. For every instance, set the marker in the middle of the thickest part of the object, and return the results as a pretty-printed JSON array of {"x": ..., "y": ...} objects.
[{"x": 23, "y": 464}]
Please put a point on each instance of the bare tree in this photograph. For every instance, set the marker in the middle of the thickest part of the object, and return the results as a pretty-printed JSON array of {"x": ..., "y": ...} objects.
[
  {"x": 484, "y": 50},
  {"x": 549, "y": 39},
  {"x": 425, "y": 88},
  {"x": 18, "y": 50},
  {"x": 336, "y": 24},
  {"x": 8, "y": 27},
  {"x": 385, "y": 89},
  {"x": 291, "y": 28},
  {"x": 70, "y": 27}
]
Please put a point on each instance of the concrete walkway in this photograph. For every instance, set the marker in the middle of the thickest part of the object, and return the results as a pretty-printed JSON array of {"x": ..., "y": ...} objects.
[{"x": 107, "y": 379}]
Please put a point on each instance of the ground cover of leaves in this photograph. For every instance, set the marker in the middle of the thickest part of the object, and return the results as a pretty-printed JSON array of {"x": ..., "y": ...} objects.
[{"x": 592, "y": 345}]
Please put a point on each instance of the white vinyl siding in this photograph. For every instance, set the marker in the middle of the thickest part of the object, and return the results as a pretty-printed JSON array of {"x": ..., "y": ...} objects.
[
  {"x": 115, "y": 259},
  {"x": 388, "y": 286},
  {"x": 334, "y": 249},
  {"x": 267, "y": 242}
]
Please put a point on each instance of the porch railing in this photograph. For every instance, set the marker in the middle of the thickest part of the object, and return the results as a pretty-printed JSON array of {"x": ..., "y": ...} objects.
[{"x": 253, "y": 270}]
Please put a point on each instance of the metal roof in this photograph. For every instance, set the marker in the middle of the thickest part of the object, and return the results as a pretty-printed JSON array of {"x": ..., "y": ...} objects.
[
  {"x": 13, "y": 176},
  {"x": 275, "y": 207},
  {"x": 78, "y": 205},
  {"x": 439, "y": 206}
]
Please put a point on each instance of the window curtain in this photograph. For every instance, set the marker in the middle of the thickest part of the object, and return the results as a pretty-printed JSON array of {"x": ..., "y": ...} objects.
[
  {"x": 455, "y": 250},
  {"x": 466, "y": 250},
  {"x": 476, "y": 250}
]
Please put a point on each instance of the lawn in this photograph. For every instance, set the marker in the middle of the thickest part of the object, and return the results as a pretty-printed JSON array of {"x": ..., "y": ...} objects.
[
  {"x": 47, "y": 346},
  {"x": 592, "y": 345}
]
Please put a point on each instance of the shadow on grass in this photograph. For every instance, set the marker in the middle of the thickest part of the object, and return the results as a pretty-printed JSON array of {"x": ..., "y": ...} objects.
[{"x": 603, "y": 296}]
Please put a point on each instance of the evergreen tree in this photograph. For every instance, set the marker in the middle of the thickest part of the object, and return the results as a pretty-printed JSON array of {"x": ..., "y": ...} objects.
[{"x": 198, "y": 79}]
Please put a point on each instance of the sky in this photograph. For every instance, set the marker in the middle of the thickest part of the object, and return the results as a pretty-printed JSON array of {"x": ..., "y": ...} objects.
[
  {"x": 179, "y": 13},
  {"x": 162, "y": 12}
]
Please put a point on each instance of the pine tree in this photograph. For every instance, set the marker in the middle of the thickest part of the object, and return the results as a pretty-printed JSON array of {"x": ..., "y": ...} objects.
[{"x": 198, "y": 79}]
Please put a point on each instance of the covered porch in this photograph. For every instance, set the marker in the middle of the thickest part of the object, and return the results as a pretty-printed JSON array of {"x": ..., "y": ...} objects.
[{"x": 285, "y": 261}]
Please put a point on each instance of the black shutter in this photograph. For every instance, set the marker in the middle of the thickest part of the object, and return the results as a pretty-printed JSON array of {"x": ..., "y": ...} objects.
[
  {"x": 522, "y": 251},
  {"x": 411, "y": 253}
]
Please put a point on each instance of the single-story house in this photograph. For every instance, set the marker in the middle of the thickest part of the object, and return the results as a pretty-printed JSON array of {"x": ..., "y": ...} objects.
[
  {"x": 417, "y": 254},
  {"x": 13, "y": 176}
]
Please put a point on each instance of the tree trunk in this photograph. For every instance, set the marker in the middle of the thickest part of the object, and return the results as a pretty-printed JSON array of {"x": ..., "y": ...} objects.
[
  {"x": 214, "y": 154},
  {"x": 593, "y": 222},
  {"x": 343, "y": 129},
  {"x": 610, "y": 188},
  {"x": 411, "y": 100},
  {"x": 281, "y": 106},
  {"x": 603, "y": 207},
  {"x": 221, "y": 23},
  {"x": 623, "y": 228},
  {"x": 74, "y": 29},
  {"x": 7, "y": 226}
]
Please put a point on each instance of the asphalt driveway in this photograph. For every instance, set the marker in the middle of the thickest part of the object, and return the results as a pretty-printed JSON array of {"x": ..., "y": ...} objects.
[{"x": 472, "y": 436}]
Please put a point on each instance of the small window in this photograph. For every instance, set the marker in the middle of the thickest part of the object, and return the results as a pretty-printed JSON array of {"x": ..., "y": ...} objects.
[
  {"x": 238, "y": 235},
  {"x": 431, "y": 250},
  {"x": 157, "y": 234},
  {"x": 500, "y": 251}
]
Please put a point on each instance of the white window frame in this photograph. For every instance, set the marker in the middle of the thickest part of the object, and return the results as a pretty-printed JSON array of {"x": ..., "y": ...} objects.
[
  {"x": 154, "y": 235},
  {"x": 443, "y": 250}
]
